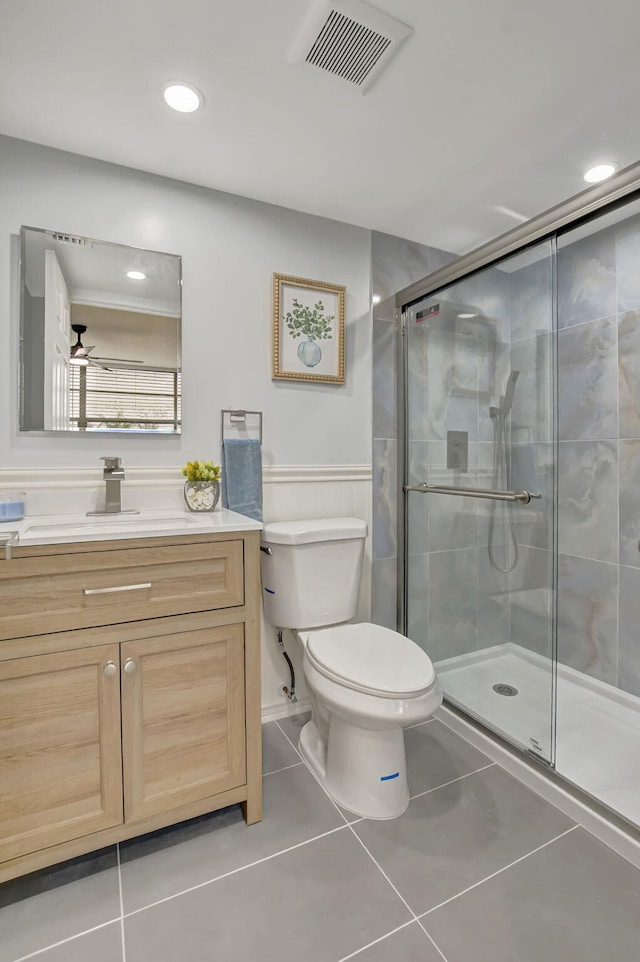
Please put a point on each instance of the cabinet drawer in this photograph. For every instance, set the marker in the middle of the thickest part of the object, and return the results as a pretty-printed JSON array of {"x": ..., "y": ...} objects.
[{"x": 39, "y": 595}]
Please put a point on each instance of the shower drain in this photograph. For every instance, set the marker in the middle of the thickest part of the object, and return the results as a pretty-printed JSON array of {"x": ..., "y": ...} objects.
[{"x": 505, "y": 689}]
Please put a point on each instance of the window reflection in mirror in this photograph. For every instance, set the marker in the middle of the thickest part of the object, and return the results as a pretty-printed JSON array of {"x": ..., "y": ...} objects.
[{"x": 100, "y": 335}]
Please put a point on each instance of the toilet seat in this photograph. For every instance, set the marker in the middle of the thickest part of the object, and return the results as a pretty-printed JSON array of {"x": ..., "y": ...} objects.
[{"x": 371, "y": 659}]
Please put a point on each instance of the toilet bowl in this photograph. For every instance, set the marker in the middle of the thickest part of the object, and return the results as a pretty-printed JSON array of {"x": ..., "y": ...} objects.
[{"x": 366, "y": 683}]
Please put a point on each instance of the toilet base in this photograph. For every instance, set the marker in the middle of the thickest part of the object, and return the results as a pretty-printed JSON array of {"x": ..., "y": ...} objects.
[{"x": 364, "y": 771}]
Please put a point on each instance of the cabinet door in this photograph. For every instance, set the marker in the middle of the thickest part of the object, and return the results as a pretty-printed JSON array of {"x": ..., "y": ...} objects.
[
  {"x": 60, "y": 752},
  {"x": 183, "y": 730}
]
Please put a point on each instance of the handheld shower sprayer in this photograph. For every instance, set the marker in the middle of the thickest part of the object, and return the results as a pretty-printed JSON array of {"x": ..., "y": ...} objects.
[{"x": 509, "y": 391}]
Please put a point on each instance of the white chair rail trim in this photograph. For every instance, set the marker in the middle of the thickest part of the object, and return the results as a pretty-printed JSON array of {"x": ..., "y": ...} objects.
[{"x": 28, "y": 478}]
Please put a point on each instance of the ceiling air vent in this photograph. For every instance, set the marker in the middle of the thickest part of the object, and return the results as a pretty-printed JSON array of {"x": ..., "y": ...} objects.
[{"x": 349, "y": 39}]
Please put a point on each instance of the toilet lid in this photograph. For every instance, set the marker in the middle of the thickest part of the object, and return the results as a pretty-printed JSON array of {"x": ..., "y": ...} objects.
[{"x": 371, "y": 659}]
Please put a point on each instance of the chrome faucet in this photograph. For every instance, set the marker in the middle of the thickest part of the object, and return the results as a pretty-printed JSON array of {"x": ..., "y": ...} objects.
[{"x": 113, "y": 475}]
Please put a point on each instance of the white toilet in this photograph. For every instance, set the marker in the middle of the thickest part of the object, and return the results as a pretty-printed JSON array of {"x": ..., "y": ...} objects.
[{"x": 367, "y": 683}]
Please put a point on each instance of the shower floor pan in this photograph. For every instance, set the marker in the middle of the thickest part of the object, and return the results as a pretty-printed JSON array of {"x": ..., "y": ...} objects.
[{"x": 597, "y": 725}]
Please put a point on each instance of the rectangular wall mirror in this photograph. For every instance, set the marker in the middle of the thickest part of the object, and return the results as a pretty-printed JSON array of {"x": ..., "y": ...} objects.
[{"x": 100, "y": 328}]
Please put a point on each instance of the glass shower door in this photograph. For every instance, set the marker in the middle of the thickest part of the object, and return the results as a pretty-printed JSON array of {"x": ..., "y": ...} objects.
[{"x": 479, "y": 518}]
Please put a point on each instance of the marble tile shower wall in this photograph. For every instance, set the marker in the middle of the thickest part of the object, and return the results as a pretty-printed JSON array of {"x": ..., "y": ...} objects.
[
  {"x": 598, "y": 357},
  {"x": 396, "y": 263},
  {"x": 458, "y": 602},
  {"x": 530, "y": 327},
  {"x": 599, "y": 459}
]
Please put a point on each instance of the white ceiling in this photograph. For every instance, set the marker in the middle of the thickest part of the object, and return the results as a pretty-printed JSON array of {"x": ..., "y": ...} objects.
[{"x": 491, "y": 106}]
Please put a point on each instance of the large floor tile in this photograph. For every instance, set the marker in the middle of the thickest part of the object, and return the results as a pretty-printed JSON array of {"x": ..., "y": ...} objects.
[
  {"x": 164, "y": 863},
  {"x": 277, "y": 752},
  {"x": 408, "y": 945},
  {"x": 103, "y": 945},
  {"x": 320, "y": 901},
  {"x": 46, "y": 907},
  {"x": 436, "y": 755},
  {"x": 573, "y": 901},
  {"x": 460, "y": 834}
]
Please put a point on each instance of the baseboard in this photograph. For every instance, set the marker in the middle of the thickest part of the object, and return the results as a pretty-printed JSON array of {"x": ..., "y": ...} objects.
[
  {"x": 284, "y": 710},
  {"x": 600, "y": 822}
]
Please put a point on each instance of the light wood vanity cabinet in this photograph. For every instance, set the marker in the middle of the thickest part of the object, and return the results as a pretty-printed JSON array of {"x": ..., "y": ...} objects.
[{"x": 122, "y": 711}]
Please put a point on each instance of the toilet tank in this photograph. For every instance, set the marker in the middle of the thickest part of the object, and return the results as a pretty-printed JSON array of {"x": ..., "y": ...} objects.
[{"x": 311, "y": 576}]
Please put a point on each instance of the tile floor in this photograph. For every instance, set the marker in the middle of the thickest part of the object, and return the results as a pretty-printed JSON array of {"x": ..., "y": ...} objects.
[{"x": 479, "y": 869}]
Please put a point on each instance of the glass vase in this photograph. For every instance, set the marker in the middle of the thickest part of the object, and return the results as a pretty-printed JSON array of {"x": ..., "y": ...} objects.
[{"x": 201, "y": 495}]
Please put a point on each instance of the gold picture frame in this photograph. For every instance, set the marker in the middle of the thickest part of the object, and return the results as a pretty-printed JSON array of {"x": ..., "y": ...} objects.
[{"x": 308, "y": 330}]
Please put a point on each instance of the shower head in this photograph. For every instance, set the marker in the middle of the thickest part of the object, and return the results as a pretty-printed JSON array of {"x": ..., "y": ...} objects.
[{"x": 509, "y": 391}]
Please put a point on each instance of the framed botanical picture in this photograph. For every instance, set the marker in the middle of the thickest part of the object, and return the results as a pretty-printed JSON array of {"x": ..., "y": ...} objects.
[{"x": 308, "y": 330}]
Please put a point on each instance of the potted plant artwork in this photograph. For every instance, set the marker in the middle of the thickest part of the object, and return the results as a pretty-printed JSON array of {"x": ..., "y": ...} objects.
[
  {"x": 314, "y": 325},
  {"x": 308, "y": 330},
  {"x": 202, "y": 487}
]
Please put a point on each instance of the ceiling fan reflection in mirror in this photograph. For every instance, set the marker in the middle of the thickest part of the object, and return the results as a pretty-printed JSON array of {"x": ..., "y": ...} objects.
[{"x": 81, "y": 355}]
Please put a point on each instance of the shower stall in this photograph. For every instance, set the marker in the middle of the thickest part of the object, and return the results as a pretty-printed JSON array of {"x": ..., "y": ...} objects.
[{"x": 519, "y": 493}]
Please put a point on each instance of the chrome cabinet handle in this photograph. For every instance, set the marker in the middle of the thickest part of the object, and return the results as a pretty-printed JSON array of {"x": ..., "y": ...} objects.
[
  {"x": 106, "y": 591},
  {"x": 129, "y": 666},
  {"x": 110, "y": 669}
]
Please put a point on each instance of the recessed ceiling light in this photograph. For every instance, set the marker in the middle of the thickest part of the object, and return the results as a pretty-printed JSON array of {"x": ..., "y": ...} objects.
[
  {"x": 600, "y": 172},
  {"x": 136, "y": 275},
  {"x": 183, "y": 97},
  {"x": 376, "y": 298},
  {"x": 467, "y": 315}
]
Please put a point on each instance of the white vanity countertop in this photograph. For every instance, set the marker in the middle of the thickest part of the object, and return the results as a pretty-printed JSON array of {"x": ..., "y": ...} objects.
[{"x": 65, "y": 529}]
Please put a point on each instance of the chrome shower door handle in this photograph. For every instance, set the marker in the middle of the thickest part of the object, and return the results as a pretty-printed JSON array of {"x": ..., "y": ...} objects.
[{"x": 519, "y": 497}]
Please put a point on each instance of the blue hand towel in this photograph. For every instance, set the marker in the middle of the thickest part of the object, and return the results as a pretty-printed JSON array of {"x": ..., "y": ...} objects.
[{"x": 242, "y": 476}]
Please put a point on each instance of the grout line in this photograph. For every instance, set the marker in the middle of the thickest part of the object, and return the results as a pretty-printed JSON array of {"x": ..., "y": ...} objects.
[
  {"x": 352, "y": 955},
  {"x": 124, "y": 951},
  {"x": 286, "y": 768},
  {"x": 500, "y": 871},
  {"x": 453, "y": 781},
  {"x": 241, "y": 868},
  {"x": 381, "y": 870},
  {"x": 72, "y": 938},
  {"x": 295, "y": 747},
  {"x": 433, "y": 941}
]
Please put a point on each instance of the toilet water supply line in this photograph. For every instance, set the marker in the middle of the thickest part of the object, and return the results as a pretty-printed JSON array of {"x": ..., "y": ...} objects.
[{"x": 291, "y": 691}]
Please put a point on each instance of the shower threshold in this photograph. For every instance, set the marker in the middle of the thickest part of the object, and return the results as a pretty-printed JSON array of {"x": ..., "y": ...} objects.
[{"x": 597, "y": 725}]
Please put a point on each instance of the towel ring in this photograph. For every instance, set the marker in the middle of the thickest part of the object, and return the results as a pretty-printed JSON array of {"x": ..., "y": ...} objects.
[{"x": 237, "y": 416}]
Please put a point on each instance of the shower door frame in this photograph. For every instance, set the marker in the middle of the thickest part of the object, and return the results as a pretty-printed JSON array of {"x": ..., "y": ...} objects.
[{"x": 545, "y": 227}]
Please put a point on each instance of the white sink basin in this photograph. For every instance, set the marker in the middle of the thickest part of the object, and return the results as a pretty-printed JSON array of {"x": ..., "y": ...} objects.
[{"x": 81, "y": 526}]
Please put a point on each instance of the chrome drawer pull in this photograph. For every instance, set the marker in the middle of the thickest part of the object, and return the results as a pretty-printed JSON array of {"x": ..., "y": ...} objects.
[
  {"x": 110, "y": 669},
  {"x": 106, "y": 591}
]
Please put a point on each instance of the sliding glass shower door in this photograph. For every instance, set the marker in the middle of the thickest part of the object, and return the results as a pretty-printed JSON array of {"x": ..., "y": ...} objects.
[{"x": 478, "y": 493}]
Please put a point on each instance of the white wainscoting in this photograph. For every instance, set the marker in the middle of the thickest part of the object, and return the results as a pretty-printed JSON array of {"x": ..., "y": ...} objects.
[{"x": 291, "y": 492}]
